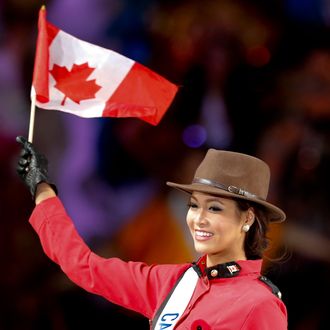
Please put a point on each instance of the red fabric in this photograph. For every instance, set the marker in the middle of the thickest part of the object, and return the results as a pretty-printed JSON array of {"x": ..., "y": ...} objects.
[
  {"x": 141, "y": 90},
  {"x": 241, "y": 302},
  {"x": 46, "y": 33}
]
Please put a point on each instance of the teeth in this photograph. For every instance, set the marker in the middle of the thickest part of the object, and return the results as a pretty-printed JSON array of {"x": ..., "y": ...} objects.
[{"x": 203, "y": 233}]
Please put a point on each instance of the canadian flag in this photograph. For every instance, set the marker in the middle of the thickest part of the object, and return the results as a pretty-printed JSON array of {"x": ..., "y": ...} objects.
[{"x": 86, "y": 80}]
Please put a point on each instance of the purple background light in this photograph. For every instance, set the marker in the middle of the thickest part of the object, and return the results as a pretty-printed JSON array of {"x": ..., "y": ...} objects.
[{"x": 194, "y": 136}]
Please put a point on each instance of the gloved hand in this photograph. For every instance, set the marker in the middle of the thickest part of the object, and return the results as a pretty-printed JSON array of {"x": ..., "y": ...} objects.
[{"x": 32, "y": 167}]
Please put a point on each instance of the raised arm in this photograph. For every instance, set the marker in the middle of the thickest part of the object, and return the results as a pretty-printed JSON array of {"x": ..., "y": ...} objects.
[{"x": 133, "y": 285}]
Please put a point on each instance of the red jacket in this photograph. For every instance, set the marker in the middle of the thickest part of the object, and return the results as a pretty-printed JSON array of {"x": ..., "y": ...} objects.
[{"x": 240, "y": 302}]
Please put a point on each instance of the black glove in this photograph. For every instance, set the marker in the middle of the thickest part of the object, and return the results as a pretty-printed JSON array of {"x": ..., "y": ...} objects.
[{"x": 32, "y": 167}]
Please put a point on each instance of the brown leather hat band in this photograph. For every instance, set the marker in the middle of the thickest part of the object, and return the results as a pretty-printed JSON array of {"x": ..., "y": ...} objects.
[{"x": 232, "y": 189}]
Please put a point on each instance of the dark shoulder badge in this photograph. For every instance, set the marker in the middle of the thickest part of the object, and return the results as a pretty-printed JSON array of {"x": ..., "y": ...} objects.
[{"x": 272, "y": 286}]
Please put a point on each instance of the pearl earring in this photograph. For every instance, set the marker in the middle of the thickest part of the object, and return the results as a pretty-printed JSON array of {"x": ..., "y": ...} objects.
[{"x": 246, "y": 228}]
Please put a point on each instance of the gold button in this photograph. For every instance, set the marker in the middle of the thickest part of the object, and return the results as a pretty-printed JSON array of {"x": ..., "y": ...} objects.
[{"x": 214, "y": 273}]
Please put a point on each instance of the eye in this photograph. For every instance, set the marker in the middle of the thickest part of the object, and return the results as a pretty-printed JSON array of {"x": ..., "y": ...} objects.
[
  {"x": 215, "y": 208},
  {"x": 192, "y": 205}
]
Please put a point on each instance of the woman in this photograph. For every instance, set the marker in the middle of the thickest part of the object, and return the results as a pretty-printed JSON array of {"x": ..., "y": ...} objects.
[{"x": 228, "y": 217}]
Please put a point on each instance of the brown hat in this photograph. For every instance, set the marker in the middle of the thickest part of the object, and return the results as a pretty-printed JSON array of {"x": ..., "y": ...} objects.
[{"x": 235, "y": 175}]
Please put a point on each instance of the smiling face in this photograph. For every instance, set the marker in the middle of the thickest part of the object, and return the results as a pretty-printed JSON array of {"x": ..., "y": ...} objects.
[{"x": 216, "y": 225}]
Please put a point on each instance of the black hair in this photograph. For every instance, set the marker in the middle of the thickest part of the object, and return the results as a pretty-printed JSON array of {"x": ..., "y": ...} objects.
[{"x": 256, "y": 240}]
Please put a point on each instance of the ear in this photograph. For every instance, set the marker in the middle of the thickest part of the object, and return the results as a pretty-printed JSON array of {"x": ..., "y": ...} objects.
[{"x": 250, "y": 216}]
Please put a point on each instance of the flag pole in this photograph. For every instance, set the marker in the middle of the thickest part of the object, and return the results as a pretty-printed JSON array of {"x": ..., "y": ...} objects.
[{"x": 32, "y": 115}]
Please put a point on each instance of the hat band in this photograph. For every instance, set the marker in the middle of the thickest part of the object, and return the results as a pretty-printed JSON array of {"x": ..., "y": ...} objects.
[{"x": 232, "y": 189}]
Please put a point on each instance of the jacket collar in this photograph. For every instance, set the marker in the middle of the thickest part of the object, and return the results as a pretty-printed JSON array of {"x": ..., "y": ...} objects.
[{"x": 228, "y": 269}]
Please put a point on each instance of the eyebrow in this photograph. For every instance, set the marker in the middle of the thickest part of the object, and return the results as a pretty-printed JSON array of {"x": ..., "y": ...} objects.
[{"x": 211, "y": 199}]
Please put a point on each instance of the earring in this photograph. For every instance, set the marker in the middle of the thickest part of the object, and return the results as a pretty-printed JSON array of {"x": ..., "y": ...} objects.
[{"x": 246, "y": 228}]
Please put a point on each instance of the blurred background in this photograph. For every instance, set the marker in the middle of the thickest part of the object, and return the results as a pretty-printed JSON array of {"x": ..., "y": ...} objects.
[{"x": 254, "y": 77}]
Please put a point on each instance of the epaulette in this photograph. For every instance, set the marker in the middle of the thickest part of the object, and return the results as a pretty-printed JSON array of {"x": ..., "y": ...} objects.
[{"x": 272, "y": 286}]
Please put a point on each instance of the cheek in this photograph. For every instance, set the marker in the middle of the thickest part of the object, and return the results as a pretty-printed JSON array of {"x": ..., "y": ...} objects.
[
  {"x": 189, "y": 219},
  {"x": 220, "y": 229},
  {"x": 225, "y": 229}
]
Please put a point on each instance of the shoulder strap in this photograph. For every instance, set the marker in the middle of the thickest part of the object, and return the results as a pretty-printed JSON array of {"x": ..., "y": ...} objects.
[
  {"x": 273, "y": 287},
  {"x": 161, "y": 307},
  {"x": 176, "y": 301}
]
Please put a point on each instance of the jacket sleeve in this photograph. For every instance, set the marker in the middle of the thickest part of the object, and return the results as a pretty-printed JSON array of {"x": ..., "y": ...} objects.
[
  {"x": 133, "y": 285},
  {"x": 269, "y": 314}
]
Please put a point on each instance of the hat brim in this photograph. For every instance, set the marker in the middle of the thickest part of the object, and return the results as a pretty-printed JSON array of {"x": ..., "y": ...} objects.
[{"x": 274, "y": 213}]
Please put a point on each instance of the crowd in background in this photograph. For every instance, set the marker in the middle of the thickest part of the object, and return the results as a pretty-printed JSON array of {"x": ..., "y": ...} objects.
[{"x": 254, "y": 77}]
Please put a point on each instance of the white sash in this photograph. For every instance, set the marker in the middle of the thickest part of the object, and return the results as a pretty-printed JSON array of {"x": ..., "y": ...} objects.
[{"x": 178, "y": 301}]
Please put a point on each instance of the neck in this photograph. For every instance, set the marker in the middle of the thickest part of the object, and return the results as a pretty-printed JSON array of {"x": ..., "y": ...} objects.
[{"x": 212, "y": 260}]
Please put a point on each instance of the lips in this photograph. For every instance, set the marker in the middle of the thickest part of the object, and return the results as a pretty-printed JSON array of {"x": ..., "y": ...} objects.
[{"x": 202, "y": 235}]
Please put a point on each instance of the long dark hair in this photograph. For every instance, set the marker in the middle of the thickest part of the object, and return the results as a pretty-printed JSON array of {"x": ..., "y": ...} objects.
[{"x": 256, "y": 240}]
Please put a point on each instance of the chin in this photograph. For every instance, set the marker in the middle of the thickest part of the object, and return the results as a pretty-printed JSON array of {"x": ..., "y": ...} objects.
[{"x": 203, "y": 249}]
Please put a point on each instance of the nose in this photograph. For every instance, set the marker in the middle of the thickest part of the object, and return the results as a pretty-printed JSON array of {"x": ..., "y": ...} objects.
[{"x": 201, "y": 219}]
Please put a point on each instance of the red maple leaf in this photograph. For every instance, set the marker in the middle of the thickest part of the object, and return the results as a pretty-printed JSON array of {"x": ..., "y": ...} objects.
[{"x": 73, "y": 83}]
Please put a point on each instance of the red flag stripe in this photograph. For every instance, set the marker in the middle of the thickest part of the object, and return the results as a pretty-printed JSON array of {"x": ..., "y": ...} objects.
[
  {"x": 141, "y": 91},
  {"x": 46, "y": 35}
]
